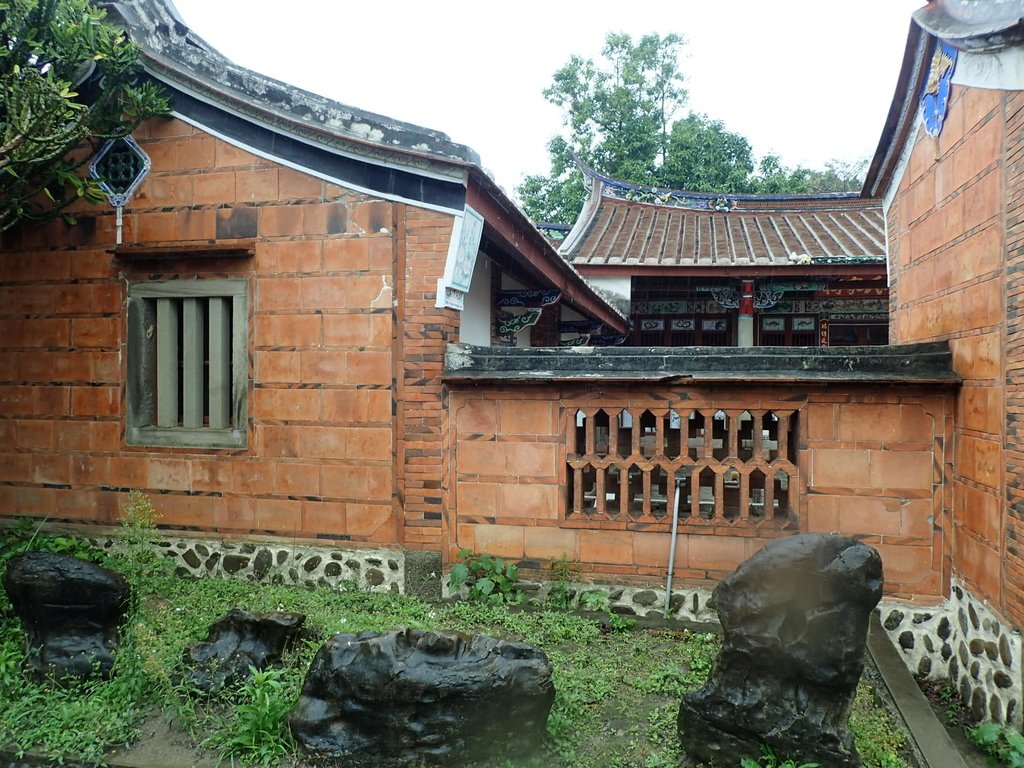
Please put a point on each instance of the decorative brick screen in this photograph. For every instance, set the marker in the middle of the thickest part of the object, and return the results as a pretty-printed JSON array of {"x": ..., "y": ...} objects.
[{"x": 732, "y": 468}]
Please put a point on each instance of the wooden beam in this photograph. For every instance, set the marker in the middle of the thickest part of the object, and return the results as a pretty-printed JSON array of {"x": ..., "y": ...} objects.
[{"x": 200, "y": 250}]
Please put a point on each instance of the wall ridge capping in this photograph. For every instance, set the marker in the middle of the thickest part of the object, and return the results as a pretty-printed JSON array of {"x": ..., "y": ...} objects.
[{"x": 921, "y": 363}]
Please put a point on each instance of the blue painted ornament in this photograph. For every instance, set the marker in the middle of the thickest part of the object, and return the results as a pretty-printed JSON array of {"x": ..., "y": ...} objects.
[{"x": 935, "y": 95}]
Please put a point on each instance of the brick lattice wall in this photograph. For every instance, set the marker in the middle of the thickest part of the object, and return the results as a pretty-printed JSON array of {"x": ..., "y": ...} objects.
[{"x": 871, "y": 464}]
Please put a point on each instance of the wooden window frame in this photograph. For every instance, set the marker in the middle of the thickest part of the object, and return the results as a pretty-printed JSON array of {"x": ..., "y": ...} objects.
[{"x": 214, "y": 416}]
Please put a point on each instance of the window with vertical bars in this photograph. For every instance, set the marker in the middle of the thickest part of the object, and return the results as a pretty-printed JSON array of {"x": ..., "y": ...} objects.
[{"x": 187, "y": 363}]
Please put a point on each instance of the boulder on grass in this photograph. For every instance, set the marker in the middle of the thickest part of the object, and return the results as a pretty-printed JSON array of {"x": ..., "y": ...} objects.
[
  {"x": 71, "y": 612},
  {"x": 411, "y": 697},
  {"x": 794, "y": 623},
  {"x": 237, "y": 642}
]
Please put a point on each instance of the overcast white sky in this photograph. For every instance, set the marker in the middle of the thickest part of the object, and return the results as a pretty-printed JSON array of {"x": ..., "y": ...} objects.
[{"x": 808, "y": 79}]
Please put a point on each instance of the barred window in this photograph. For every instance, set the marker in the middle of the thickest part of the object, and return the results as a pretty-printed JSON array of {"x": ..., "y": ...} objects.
[{"x": 187, "y": 363}]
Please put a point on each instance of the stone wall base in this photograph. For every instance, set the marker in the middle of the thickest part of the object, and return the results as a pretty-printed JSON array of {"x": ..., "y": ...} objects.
[
  {"x": 965, "y": 642},
  {"x": 278, "y": 562},
  {"x": 625, "y": 600}
]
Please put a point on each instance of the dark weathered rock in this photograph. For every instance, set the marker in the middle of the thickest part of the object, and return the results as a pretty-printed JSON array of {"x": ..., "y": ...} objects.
[
  {"x": 412, "y": 697},
  {"x": 794, "y": 621},
  {"x": 238, "y": 641},
  {"x": 70, "y": 610}
]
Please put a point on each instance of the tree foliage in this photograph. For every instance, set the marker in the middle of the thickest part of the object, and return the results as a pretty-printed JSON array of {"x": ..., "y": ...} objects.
[
  {"x": 620, "y": 119},
  {"x": 67, "y": 77}
]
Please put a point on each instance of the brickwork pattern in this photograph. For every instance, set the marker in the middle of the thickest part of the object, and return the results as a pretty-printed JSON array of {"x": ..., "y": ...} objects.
[
  {"x": 948, "y": 270},
  {"x": 869, "y": 465},
  {"x": 1013, "y": 553},
  {"x": 424, "y": 333},
  {"x": 320, "y": 455}
]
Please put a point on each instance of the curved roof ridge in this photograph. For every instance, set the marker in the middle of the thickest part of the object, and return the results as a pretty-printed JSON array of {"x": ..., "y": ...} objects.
[
  {"x": 664, "y": 195},
  {"x": 172, "y": 51}
]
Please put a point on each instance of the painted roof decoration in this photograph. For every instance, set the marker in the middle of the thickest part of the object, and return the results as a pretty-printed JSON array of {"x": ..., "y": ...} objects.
[
  {"x": 659, "y": 228},
  {"x": 935, "y": 94}
]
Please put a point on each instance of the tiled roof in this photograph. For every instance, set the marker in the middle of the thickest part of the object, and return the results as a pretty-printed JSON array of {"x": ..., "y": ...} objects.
[{"x": 754, "y": 231}]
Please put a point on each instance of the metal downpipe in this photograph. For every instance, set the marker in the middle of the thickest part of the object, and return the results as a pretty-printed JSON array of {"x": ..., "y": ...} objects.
[{"x": 672, "y": 549}]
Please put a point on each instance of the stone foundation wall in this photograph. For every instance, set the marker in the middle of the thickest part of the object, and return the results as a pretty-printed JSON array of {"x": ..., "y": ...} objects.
[
  {"x": 372, "y": 570},
  {"x": 966, "y": 643},
  {"x": 624, "y": 600}
]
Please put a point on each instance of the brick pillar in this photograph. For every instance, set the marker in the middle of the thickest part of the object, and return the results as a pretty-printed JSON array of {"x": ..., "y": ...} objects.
[{"x": 423, "y": 333}]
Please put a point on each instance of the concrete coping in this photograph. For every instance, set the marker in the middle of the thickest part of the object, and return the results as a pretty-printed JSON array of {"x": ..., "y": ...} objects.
[
  {"x": 927, "y": 363},
  {"x": 933, "y": 743}
]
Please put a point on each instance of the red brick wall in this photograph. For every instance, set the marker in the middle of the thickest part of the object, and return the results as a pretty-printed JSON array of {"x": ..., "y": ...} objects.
[
  {"x": 872, "y": 464},
  {"x": 948, "y": 246},
  {"x": 325, "y": 349},
  {"x": 1013, "y": 553}
]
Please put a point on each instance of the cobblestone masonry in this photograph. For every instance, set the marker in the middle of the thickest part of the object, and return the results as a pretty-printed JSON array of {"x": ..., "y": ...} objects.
[
  {"x": 373, "y": 570},
  {"x": 687, "y": 604},
  {"x": 966, "y": 643}
]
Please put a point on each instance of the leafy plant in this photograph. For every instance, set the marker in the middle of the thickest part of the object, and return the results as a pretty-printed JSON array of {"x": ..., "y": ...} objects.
[
  {"x": 1004, "y": 746},
  {"x": 700, "y": 651},
  {"x": 258, "y": 733},
  {"x": 11, "y": 656},
  {"x": 52, "y": 100},
  {"x": 563, "y": 573},
  {"x": 488, "y": 579},
  {"x": 769, "y": 760},
  {"x": 948, "y": 696},
  {"x": 620, "y": 623},
  {"x": 138, "y": 520},
  {"x": 594, "y": 600},
  {"x": 27, "y": 535}
]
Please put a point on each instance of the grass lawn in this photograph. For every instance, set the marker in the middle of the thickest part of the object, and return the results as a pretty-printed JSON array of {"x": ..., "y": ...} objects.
[{"x": 618, "y": 687}]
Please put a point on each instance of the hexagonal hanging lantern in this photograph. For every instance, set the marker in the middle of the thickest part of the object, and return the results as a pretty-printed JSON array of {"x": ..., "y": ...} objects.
[{"x": 120, "y": 166}]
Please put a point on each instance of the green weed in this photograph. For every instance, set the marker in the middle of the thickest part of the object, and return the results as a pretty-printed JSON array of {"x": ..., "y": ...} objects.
[
  {"x": 594, "y": 600},
  {"x": 257, "y": 733},
  {"x": 769, "y": 760},
  {"x": 489, "y": 579},
  {"x": 1004, "y": 746},
  {"x": 564, "y": 573},
  {"x": 878, "y": 740}
]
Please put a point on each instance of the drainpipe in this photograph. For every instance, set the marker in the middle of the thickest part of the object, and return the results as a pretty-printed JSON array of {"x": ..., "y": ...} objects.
[{"x": 672, "y": 549}]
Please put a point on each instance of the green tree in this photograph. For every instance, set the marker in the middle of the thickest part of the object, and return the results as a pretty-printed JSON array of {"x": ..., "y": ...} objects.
[
  {"x": 619, "y": 116},
  {"x": 67, "y": 77},
  {"x": 775, "y": 178},
  {"x": 839, "y": 176},
  {"x": 617, "y": 113},
  {"x": 703, "y": 156}
]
